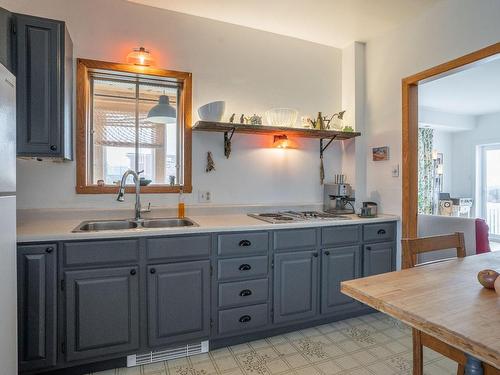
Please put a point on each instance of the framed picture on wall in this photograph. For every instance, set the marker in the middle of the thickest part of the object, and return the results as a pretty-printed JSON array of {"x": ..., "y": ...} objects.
[{"x": 380, "y": 153}]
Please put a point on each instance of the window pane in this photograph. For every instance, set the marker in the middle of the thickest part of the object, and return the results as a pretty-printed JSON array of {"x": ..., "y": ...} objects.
[
  {"x": 118, "y": 108},
  {"x": 163, "y": 147}
]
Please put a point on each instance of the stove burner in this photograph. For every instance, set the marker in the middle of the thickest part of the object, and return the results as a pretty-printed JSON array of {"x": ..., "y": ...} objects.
[
  {"x": 270, "y": 215},
  {"x": 283, "y": 218}
]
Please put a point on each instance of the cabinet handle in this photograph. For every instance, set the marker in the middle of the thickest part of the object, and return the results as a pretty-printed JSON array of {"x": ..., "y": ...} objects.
[
  {"x": 152, "y": 270},
  {"x": 245, "y": 243},
  {"x": 245, "y": 267},
  {"x": 368, "y": 248},
  {"x": 133, "y": 272},
  {"x": 381, "y": 231},
  {"x": 245, "y": 293},
  {"x": 327, "y": 253},
  {"x": 315, "y": 255},
  {"x": 245, "y": 319},
  {"x": 48, "y": 250},
  {"x": 53, "y": 147}
]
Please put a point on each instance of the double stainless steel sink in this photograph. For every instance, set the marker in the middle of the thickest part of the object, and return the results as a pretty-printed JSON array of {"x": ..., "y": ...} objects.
[{"x": 103, "y": 225}]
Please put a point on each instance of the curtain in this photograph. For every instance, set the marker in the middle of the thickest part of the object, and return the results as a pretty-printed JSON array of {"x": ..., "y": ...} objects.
[{"x": 425, "y": 171}]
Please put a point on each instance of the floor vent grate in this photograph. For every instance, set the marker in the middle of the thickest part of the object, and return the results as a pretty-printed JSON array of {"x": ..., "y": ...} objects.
[{"x": 167, "y": 354}]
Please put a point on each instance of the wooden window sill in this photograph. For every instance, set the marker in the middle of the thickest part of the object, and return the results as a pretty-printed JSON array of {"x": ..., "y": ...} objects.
[{"x": 151, "y": 189}]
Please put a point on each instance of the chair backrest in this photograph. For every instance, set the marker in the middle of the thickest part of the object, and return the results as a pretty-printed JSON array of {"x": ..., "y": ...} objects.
[{"x": 414, "y": 246}]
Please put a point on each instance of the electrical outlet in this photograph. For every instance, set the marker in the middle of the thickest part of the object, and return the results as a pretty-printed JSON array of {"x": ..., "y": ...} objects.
[
  {"x": 395, "y": 170},
  {"x": 204, "y": 196}
]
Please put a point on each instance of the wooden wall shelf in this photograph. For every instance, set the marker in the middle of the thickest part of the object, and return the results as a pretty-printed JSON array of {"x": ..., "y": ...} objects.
[{"x": 230, "y": 128}]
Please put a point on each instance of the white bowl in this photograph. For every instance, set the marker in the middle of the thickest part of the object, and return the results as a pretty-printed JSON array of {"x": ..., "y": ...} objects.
[
  {"x": 212, "y": 111},
  {"x": 282, "y": 117}
]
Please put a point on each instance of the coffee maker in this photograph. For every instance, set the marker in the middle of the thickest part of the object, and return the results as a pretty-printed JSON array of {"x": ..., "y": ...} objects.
[{"x": 337, "y": 197}]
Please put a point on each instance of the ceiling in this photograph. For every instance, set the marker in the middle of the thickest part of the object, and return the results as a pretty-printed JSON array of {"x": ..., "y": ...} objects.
[
  {"x": 334, "y": 23},
  {"x": 474, "y": 91}
]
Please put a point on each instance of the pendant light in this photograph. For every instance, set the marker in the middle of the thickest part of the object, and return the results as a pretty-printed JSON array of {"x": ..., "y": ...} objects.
[
  {"x": 140, "y": 56},
  {"x": 163, "y": 112}
]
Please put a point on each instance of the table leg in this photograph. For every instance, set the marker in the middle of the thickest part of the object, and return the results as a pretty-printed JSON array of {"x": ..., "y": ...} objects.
[{"x": 473, "y": 366}]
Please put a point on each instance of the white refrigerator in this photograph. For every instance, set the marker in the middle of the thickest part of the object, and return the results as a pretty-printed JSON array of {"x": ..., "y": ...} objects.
[{"x": 8, "y": 284}]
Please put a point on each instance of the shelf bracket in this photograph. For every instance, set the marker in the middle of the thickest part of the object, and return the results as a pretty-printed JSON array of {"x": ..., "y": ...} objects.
[
  {"x": 323, "y": 148},
  {"x": 228, "y": 135}
]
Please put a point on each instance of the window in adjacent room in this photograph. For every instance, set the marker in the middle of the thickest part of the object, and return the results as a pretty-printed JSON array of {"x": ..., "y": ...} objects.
[{"x": 135, "y": 118}]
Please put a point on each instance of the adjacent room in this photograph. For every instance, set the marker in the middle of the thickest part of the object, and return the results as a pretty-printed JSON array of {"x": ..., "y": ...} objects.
[{"x": 265, "y": 187}]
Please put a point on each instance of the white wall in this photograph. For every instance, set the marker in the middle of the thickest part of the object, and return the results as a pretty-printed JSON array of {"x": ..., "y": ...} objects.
[
  {"x": 451, "y": 28},
  {"x": 252, "y": 70}
]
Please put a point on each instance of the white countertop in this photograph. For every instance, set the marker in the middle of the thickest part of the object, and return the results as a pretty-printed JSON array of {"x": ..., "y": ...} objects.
[{"x": 53, "y": 227}]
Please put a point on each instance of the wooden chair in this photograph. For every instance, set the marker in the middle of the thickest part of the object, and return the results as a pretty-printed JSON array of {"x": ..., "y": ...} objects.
[{"x": 411, "y": 248}]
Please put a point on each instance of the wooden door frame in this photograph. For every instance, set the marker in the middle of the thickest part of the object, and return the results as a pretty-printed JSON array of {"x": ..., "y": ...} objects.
[{"x": 410, "y": 128}]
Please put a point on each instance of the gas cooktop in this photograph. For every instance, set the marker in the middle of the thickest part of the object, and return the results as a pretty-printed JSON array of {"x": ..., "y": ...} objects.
[{"x": 295, "y": 216}]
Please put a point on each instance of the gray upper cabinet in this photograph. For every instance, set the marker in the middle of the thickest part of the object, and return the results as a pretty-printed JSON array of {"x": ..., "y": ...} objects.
[
  {"x": 295, "y": 286},
  {"x": 36, "y": 280},
  {"x": 5, "y": 39},
  {"x": 102, "y": 312},
  {"x": 178, "y": 302},
  {"x": 338, "y": 264},
  {"x": 44, "y": 72},
  {"x": 379, "y": 258}
]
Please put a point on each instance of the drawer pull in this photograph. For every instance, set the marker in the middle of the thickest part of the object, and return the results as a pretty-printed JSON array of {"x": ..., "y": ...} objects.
[
  {"x": 245, "y": 319},
  {"x": 368, "y": 248},
  {"x": 381, "y": 231},
  {"x": 245, "y": 293},
  {"x": 315, "y": 255},
  {"x": 245, "y": 243},
  {"x": 49, "y": 250},
  {"x": 152, "y": 270},
  {"x": 133, "y": 272},
  {"x": 327, "y": 253},
  {"x": 245, "y": 267}
]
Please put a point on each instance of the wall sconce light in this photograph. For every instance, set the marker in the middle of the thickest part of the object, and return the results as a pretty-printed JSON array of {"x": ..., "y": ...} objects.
[
  {"x": 140, "y": 56},
  {"x": 282, "y": 141}
]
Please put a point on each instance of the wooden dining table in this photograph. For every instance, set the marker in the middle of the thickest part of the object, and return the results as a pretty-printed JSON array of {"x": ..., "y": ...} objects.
[{"x": 444, "y": 300}]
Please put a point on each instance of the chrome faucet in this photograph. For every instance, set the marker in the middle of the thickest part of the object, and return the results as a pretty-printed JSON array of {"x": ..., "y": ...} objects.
[{"x": 121, "y": 192}]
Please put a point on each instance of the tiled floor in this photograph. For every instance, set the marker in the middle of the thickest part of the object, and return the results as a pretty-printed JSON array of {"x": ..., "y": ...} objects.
[{"x": 369, "y": 345}]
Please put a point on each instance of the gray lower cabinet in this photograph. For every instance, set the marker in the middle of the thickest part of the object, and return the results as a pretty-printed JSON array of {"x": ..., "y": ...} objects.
[
  {"x": 379, "y": 258},
  {"x": 338, "y": 264},
  {"x": 102, "y": 312},
  {"x": 178, "y": 302},
  {"x": 37, "y": 288},
  {"x": 295, "y": 286}
]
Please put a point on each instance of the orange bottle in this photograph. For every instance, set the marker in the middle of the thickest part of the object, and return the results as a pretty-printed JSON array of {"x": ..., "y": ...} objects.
[{"x": 180, "y": 205}]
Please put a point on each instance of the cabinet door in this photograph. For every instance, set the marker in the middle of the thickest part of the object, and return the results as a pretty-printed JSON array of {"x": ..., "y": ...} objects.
[
  {"x": 178, "y": 302},
  {"x": 5, "y": 39},
  {"x": 295, "y": 286},
  {"x": 40, "y": 82},
  {"x": 379, "y": 258},
  {"x": 102, "y": 312},
  {"x": 338, "y": 264},
  {"x": 37, "y": 306}
]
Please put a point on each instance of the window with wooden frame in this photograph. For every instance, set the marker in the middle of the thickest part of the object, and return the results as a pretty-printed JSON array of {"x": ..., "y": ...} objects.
[{"x": 122, "y": 124}]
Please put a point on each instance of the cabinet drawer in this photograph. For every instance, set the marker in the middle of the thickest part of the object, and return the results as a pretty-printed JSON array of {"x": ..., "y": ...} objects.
[
  {"x": 242, "y": 267},
  {"x": 242, "y": 243},
  {"x": 101, "y": 252},
  {"x": 243, "y": 318},
  {"x": 340, "y": 235},
  {"x": 378, "y": 232},
  {"x": 294, "y": 239},
  {"x": 178, "y": 247},
  {"x": 243, "y": 293}
]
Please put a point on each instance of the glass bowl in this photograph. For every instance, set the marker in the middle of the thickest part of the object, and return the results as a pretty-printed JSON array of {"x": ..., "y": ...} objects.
[{"x": 282, "y": 117}]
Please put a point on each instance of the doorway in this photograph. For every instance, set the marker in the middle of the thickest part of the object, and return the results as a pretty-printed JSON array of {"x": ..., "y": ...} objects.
[
  {"x": 410, "y": 90},
  {"x": 489, "y": 188}
]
